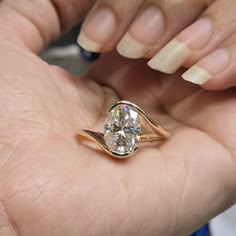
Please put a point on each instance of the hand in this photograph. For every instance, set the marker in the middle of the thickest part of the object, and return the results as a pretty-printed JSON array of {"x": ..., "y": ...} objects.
[
  {"x": 197, "y": 34},
  {"x": 51, "y": 184}
]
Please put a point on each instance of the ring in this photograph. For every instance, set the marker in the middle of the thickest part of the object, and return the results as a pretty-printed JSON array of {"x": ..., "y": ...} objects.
[{"x": 123, "y": 130}]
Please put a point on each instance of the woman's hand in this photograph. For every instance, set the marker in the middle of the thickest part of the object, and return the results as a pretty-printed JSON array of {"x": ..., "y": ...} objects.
[
  {"x": 198, "y": 34},
  {"x": 51, "y": 184}
]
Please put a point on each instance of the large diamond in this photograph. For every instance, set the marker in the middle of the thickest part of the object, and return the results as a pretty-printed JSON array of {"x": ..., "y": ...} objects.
[{"x": 122, "y": 129}]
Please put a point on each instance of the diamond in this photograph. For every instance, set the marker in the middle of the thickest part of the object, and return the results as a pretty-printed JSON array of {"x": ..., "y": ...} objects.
[{"x": 122, "y": 128}]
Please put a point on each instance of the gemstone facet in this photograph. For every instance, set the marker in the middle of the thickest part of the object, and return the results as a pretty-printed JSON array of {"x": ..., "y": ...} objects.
[{"x": 122, "y": 128}]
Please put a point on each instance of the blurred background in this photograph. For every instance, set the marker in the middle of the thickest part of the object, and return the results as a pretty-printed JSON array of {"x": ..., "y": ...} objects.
[{"x": 67, "y": 53}]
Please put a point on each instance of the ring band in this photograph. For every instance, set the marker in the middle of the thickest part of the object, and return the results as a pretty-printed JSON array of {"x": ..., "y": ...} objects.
[{"x": 123, "y": 130}]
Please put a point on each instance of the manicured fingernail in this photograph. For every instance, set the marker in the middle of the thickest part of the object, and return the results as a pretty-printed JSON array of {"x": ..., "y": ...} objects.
[
  {"x": 143, "y": 33},
  {"x": 98, "y": 30},
  {"x": 170, "y": 58},
  {"x": 208, "y": 67}
]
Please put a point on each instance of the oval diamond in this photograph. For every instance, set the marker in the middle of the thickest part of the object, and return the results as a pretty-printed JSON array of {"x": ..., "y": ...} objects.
[{"x": 122, "y": 128}]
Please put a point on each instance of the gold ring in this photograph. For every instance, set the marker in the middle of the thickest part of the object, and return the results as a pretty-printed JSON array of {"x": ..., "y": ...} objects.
[{"x": 123, "y": 130}]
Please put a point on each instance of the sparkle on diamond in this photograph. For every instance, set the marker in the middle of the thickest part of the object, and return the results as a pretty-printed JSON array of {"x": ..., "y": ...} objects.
[{"x": 122, "y": 127}]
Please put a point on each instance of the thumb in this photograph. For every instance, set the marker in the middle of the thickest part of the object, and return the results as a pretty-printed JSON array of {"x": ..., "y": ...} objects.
[{"x": 34, "y": 24}]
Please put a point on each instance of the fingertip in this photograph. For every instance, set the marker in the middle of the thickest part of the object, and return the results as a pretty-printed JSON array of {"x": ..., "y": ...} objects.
[
  {"x": 130, "y": 48},
  {"x": 210, "y": 70},
  {"x": 197, "y": 75},
  {"x": 98, "y": 29},
  {"x": 88, "y": 44},
  {"x": 171, "y": 57}
]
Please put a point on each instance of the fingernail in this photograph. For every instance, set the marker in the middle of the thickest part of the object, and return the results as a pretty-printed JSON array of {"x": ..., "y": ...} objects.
[
  {"x": 129, "y": 47},
  {"x": 98, "y": 30},
  {"x": 89, "y": 44},
  {"x": 143, "y": 33},
  {"x": 210, "y": 66},
  {"x": 170, "y": 58}
]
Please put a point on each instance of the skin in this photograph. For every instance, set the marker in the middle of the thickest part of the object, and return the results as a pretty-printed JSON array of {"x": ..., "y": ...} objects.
[
  {"x": 51, "y": 183},
  {"x": 186, "y": 11},
  {"x": 139, "y": 30}
]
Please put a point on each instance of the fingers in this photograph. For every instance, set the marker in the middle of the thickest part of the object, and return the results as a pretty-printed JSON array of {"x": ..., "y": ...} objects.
[
  {"x": 34, "y": 24},
  {"x": 199, "y": 39},
  {"x": 143, "y": 25},
  {"x": 170, "y": 58},
  {"x": 216, "y": 70},
  {"x": 106, "y": 23},
  {"x": 20, "y": 24},
  {"x": 155, "y": 25},
  {"x": 147, "y": 28}
]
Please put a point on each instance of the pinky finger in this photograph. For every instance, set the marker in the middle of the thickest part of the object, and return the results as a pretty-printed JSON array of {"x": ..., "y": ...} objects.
[{"x": 216, "y": 71}]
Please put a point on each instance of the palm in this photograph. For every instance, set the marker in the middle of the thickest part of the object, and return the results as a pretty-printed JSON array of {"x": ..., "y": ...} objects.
[{"x": 51, "y": 184}]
